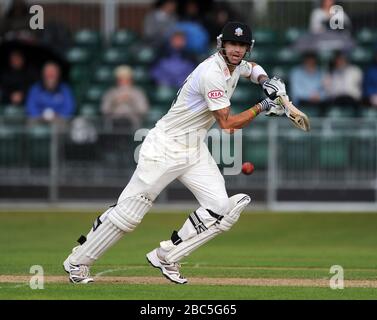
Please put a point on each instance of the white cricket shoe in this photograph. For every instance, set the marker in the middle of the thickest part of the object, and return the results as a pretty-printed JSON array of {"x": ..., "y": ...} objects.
[
  {"x": 169, "y": 270},
  {"x": 77, "y": 273}
]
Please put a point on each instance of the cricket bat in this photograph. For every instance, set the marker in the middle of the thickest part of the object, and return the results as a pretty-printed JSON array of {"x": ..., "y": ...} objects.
[{"x": 299, "y": 119}]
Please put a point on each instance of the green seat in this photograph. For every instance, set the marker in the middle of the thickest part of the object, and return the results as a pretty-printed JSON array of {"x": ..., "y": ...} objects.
[
  {"x": 336, "y": 112},
  {"x": 296, "y": 151},
  {"x": 361, "y": 56},
  {"x": 325, "y": 56},
  {"x": 163, "y": 95},
  {"x": 123, "y": 38},
  {"x": 369, "y": 113},
  {"x": 115, "y": 56},
  {"x": 141, "y": 75},
  {"x": 282, "y": 71},
  {"x": 265, "y": 37},
  {"x": 292, "y": 34},
  {"x": 95, "y": 93},
  {"x": 77, "y": 55},
  {"x": 333, "y": 152},
  {"x": 261, "y": 56},
  {"x": 287, "y": 56},
  {"x": 366, "y": 36},
  {"x": 255, "y": 148},
  {"x": 104, "y": 75},
  {"x": 311, "y": 111},
  {"x": 11, "y": 147},
  {"x": 13, "y": 113},
  {"x": 143, "y": 55},
  {"x": 87, "y": 38},
  {"x": 79, "y": 74},
  {"x": 246, "y": 95},
  {"x": 39, "y": 146},
  {"x": 363, "y": 150},
  {"x": 153, "y": 116},
  {"x": 89, "y": 110}
]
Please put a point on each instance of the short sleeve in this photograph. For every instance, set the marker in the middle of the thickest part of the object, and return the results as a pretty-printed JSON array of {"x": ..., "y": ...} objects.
[
  {"x": 214, "y": 91},
  {"x": 245, "y": 69}
]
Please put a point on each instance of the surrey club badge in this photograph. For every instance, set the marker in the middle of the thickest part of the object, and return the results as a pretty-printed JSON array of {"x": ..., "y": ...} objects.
[{"x": 238, "y": 32}]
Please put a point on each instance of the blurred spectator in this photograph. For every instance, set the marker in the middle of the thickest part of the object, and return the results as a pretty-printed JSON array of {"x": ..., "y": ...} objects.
[
  {"x": 50, "y": 100},
  {"x": 320, "y": 18},
  {"x": 159, "y": 22},
  {"x": 218, "y": 17},
  {"x": 370, "y": 83},
  {"x": 306, "y": 82},
  {"x": 175, "y": 65},
  {"x": 344, "y": 82},
  {"x": 125, "y": 104},
  {"x": 16, "y": 79}
]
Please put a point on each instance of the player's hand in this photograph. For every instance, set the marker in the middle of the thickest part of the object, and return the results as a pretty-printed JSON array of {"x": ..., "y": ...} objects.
[
  {"x": 272, "y": 107},
  {"x": 276, "y": 109},
  {"x": 274, "y": 88}
]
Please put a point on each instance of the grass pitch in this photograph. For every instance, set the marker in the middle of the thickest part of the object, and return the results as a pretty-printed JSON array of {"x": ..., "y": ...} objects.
[{"x": 264, "y": 256}]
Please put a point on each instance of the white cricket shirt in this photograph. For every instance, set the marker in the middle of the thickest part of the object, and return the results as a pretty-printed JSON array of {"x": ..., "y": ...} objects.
[{"x": 209, "y": 87}]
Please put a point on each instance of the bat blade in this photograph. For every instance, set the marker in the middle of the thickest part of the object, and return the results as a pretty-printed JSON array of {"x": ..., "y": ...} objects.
[{"x": 298, "y": 118}]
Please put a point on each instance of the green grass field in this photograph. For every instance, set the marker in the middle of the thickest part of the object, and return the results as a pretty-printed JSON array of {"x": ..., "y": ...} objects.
[{"x": 297, "y": 247}]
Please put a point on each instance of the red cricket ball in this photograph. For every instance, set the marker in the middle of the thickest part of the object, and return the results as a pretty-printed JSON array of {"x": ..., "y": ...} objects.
[{"x": 247, "y": 168}]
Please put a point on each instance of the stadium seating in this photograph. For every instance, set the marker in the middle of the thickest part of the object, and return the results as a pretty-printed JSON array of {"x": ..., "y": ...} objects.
[
  {"x": 77, "y": 55},
  {"x": 115, "y": 56},
  {"x": 255, "y": 147},
  {"x": 333, "y": 152},
  {"x": 87, "y": 38},
  {"x": 39, "y": 146},
  {"x": 104, "y": 75},
  {"x": 11, "y": 147},
  {"x": 123, "y": 38}
]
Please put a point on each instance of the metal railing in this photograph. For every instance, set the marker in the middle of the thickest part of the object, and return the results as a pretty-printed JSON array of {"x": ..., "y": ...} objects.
[{"x": 336, "y": 161}]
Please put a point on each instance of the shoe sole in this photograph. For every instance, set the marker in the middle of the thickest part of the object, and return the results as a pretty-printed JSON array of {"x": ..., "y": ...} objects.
[{"x": 157, "y": 267}]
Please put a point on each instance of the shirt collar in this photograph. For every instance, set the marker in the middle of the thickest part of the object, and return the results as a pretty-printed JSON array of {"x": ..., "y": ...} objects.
[{"x": 223, "y": 66}]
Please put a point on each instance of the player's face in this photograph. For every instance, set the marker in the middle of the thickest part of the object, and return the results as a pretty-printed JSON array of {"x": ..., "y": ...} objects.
[{"x": 235, "y": 51}]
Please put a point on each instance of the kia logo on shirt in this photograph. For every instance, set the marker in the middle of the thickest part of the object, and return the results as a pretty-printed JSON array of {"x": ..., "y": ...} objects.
[{"x": 215, "y": 94}]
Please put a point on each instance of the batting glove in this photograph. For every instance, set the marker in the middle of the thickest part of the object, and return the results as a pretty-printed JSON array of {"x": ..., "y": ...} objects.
[
  {"x": 274, "y": 88},
  {"x": 272, "y": 107}
]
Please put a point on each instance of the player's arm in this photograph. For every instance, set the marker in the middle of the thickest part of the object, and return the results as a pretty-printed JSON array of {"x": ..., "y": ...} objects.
[
  {"x": 226, "y": 120},
  {"x": 272, "y": 87}
]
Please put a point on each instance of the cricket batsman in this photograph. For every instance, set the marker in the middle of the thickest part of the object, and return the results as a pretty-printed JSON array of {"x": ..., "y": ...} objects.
[{"x": 203, "y": 99}]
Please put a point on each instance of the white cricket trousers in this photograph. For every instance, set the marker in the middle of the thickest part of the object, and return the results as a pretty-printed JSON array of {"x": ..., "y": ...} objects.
[{"x": 163, "y": 159}]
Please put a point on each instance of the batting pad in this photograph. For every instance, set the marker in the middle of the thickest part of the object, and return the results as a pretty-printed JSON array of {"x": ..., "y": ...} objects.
[
  {"x": 96, "y": 244},
  {"x": 202, "y": 226},
  {"x": 127, "y": 214}
]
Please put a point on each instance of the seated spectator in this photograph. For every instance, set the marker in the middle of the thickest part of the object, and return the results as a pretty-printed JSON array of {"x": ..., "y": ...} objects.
[
  {"x": 306, "y": 82},
  {"x": 16, "y": 79},
  {"x": 344, "y": 82},
  {"x": 125, "y": 104},
  {"x": 370, "y": 83},
  {"x": 159, "y": 22},
  {"x": 175, "y": 65},
  {"x": 50, "y": 100},
  {"x": 320, "y": 18}
]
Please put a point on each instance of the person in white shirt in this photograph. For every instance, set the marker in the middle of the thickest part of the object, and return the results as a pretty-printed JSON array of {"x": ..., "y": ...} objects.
[
  {"x": 344, "y": 82},
  {"x": 174, "y": 149}
]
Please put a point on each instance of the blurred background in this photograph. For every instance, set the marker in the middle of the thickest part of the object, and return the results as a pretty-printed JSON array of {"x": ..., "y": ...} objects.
[{"x": 73, "y": 94}]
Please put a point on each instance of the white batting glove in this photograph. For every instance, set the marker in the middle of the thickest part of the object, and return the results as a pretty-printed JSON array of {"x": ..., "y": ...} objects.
[
  {"x": 272, "y": 107},
  {"x": 274, "y": 87}
]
